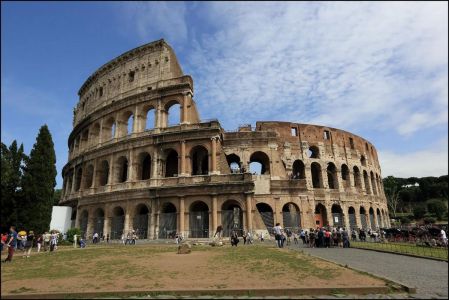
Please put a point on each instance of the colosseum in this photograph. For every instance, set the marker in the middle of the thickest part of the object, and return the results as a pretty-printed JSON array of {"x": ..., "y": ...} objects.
[{"x": 141, "y": 158}]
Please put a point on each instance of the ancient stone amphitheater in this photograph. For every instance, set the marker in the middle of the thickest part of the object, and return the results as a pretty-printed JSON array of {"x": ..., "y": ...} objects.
[{"x": 141, "y": 158}]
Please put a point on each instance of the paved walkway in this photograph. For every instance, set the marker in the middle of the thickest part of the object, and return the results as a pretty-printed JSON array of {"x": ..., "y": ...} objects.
[{"x": 429, "y": 277}]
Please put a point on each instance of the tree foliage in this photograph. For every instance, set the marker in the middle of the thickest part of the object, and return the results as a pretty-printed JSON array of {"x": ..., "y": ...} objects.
[{"x": 436, "y": 207}]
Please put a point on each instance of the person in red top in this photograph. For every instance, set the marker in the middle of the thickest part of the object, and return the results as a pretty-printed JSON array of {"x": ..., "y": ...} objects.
[
  {"x": 4, "y": 236},
  {"x": 327, "y": 238}
]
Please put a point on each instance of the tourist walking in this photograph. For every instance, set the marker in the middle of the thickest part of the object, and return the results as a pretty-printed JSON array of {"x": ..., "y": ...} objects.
[
  {"x": 53, "y": 241},
  {"x": 47, "y": 237},
  {"x": 11, "y": 243},
  {"x": 218, "y": 231},
  {"x": 39, "y": 242},
  {"x": 244, "y": 237},
  {"x": 249, "y": 238},
  {"x": 28, "y": 244},
  {"x": 234, "y": 238},
  {"x": 312, "y": 238},
  {"x": 107, "y": 238},
  {"x": 327, "y": 238},
  {"x": 134, "y": 237},
  {"x": 345, "y": 237},
  {"x": 278, "y": 235},
  {"x": 302, "y": 235}
]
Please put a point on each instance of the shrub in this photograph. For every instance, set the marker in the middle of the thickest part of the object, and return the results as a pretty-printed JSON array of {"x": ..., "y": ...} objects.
[
  {"x": 437, "y": 207},
  {"x": 71, "y": 232},
  {"x": 405, "y": 220},
  {"x": 419, "y": 211},
  {"x": 429, "y": 220}
]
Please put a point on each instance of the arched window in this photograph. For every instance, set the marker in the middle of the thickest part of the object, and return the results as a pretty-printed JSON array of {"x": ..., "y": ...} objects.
[
  {"x": 352, "y": 218},
  {"x": 317, "y": 180},
  {"x": 167, "y": 221},
  {"x": 298, "y": 170},
  {"x": 234, "y": 163},
  {"x": 199, "y": 220},
  {"x": 103, "y": 173},
  {"x": 173, "y": 113},
  {"x": 291, "y": 216},
  {"x": 117, "y": 223},
  {"x": 266, "y": 212},
  {"x": 130, "y": 124},
  {"x": 357, "y": 178},
  {"x": 140, "y": 222},
  {"x": 337, "y": 215},
  {"x": 332, "y": 176},
  {"x": 171, "y": 163},
  {"x": 85, "y": 139},
  {"x": 259, "y": 163},
  {"x": 363, "y": 160},
  {"x": 99, "y": 221},
  {"x": 231, "y": 217},
  {"x": 320, "y": 215},
  {"x": 345, "y": 175},
  {"x": 313, "y": 152},
  {"x": 200, "y": 160},
  {"x": 78, "y": 178},
  {"x": 150, "y": 120},
  {"x": 89, "y": 176},
  {"x": 366, "y": 180},
  {"x": 122, "y": 169},
  {"x": 363, "y": 218},
  {"x": 145, "y": 166}
]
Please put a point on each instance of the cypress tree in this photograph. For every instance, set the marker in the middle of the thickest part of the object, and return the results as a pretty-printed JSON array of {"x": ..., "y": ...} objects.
[{"x": 39, "y": 181}]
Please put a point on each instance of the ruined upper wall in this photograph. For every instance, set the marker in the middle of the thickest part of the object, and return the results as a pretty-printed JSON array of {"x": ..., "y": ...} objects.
[{"x": 138, "y": 70}]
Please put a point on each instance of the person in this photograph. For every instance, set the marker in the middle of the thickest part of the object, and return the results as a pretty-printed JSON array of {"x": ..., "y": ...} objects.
[
  {"x": 134, "y": 237},
  {"x": 353, "y": 235},
  {"x": 107, "y": 238},
  {"x": 47, "y": 237},
  {"x": 288, "y": 233},
  {"x": 320, "y": 239},
  {"x": 327, "y": 238},
  {"x": 11, "y": 243},
  {"x": 345, "y": 237},
  {"x": 95, "y": 239},
  {"x": 295, "y": 238},
  {"x": 218, "y": 231},
  {"x": 312, "y": 238},
  {"x": 82, "y": 243},
  {"x": 234, "y": 238},
  {"x": 261, "y": 237},
  {"x": 123, "y": 239},
  {"x": 53, "y": 241},
  {"x": 249, "y": 237},
  {"x": 278, "y": 234},
  {"x": 302, "y": 235},
  {"x": 3, "y": 240},
  {"x": 39, "y": 242},
  {"x": 28, "y": 244},
  {"x": 443, "y": 237},
  {"x": 339, "y": 238},
  {"x": 244, "y": 237},
  {"x": 128, "y": 238}
]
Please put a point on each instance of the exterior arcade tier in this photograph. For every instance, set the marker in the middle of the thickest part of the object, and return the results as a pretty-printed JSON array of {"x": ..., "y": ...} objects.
[{"x": 140, "y": 158}]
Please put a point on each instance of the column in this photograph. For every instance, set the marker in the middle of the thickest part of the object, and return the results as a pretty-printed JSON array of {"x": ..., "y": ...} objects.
[
  {"x": 126, "y": 227},
  {"x": 77, "y": 219},
  {"x": 368, "y": 219},
  {"x": 131, "y": 166},
  {"x": 185, "y": 105},
  {"x": 73, "y": 180},
  {"x": 376, "y": 224},
  {"x": 324, "y": 177},
  {"x": 181, "y": 215},
  {"x": 214, "y": 213},
  {"x": 136, "y": 120},
  {"x": 117, "y": 126},
  {"x": 214, "y": 156},
  {"x": 346, "y": 218},
  {"x": 111, "y": 170},
  {"x": 152, "y": 222},
  {"x": 341, "y": 187},
  {"x": 90, "y": 223},
  {"x": 330, "y": 220},
  {"x": 358, "y": 221},
  {"x": 155, "y": 165},
  {"x": 100, "y": 133},
  {"x": 249, "y": 221},
  {"x": 183, "y": 158},
  {"x": 107, "y": 223},
  {"x": 156, "y": 226}
]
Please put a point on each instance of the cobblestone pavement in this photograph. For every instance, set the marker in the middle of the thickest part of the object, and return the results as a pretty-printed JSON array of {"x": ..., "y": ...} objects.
[{"x": 429, "y": 277}]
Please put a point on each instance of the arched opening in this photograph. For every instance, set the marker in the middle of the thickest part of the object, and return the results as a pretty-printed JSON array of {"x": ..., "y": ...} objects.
[
  {"x": 200, "y": 160},
  {"x": 320, "y": 215},
  {"x": 373, "y": 183},
  {"x": 94, "y": 134},
  {"x": 129, "y": 125},
  {"x": 337, "y": 215},
  {"x": 77, "y": 143},
  {"x": 171, "y": 163},
  {"x": 291, "y": 216},
  {"x": 313, "y": 152},
  {"x": 266, "y": 212},
  {"x": 317, "y": 181},
  {"x": 122, "y": 169},
  {"x": 118, "y": 223},
  {"x": 352, "y": 218},
  {"x": 89, "y": 177},
  {"x": 332, "y": 180},
  {"x": 363, "y": 220},
  {"x": 345, "y": 176},
  {"x": 371, "y": 218},
  {"x": 259, "y": 163},
  {"x": 103, "y": 173},
  {"x": 173, "y": 111},
  {"x": 363, "y": 160},
  {"x": 84, "y": 139},
  {"x": 99, "y": 221},
  {"x": 167, "y": 221},
  {"x": 78, "y": 178},
  {"x": 231, "y": 217},
  {"x": 357, "y": 178},
  {"x": 108, "y": 130},
  {"x": 150, "y": 119},
  {"x": 83, "y": 223},
  {"x": 379, "y": 218},
  {"x": 144, "y": 166},
  {"x": 234, "y": 163},
  {"x": 69, "y": 177},
  {"x": 299, "y": 170},
  {"x": 140, "y": 221},
  {"x": 73, "y": 218},
  {"x": 366, "y": 180},
  {"x": 199, "y": 220}
]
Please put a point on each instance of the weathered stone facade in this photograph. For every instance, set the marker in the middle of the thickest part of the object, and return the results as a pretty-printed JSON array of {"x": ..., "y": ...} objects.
[{"x": 128, "y": 168}]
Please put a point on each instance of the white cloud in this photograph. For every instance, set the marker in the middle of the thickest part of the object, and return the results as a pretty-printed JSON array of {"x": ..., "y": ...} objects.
[{"x": 430, "y": 162}]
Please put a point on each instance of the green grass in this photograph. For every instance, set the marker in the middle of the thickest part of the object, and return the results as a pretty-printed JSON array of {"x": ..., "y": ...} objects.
[{"x": 404, "y": 248}]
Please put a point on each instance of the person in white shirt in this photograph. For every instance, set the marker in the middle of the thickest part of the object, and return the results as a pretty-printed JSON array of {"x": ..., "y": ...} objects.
[
  {"x": 443, "y": 237},
  {"x": 278, "y": 234}
]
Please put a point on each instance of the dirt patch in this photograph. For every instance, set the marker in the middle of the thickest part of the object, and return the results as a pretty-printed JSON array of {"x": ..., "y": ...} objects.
[{"x": 149, "y": 267}]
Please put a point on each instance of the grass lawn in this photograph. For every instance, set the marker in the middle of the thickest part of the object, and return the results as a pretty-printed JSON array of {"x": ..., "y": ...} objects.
[
  {"x": 157, "y": 267},
  {"x": 404, "y": 248}
]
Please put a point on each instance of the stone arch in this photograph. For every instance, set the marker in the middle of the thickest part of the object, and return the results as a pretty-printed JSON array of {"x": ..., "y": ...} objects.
[
  {"x": 149, "y": 113},
  {"x": 371, "y": 217},
  {"x": 291, "y": 216},
  {"x": 321, "y": 215},
  {"x": 173, "y": 112},
  {"x": 317, "y": 179},
  {"x": 352, "y": 218},
  {"x": 363, "y": 160},
  {"x": 332, "y": 179},
  {"x": 121, "y": 169},
  {"x": 84, "y": 218},
  {"x": 89, "y": 177},
  {"x": 171, "y": 163},
  {"x": 99, "y": 221},
  {"x": 366, "y": 180},
  {"x": 231, "y": 217},
  {"x": 262, "y": 159},
  {"x": 345, "y": 176},
  {"x": 266, "y": 212},
  {"x": 103, "y": 173},
  {"x": 108, "y": 130},
  {"x": 117, "y": 223},
  {"x": 313, "y": 152},
  {"x": 357, "y": 177},
  {"x": 144, "y": 166},
  {"x": 199, "y": 220},
  {"x": 199, "y": 158},
  {"x": 73, "y": 217},
  {"x": 78, "y": 178},
  {"x": 363, "y": 218},
  {"x": 140, "y": 220},
  {"x": 234, "y": 163},
  {"x": 379, "y": 218},
  {"x": 84, "y": 139},
  {"x": 94, "y": 134},
  {"x": 337, "y": 215},
  {"x": 167, "y": 220},
  {"x": 373, "y": 183},
  {"x": 299, "y": 170}
]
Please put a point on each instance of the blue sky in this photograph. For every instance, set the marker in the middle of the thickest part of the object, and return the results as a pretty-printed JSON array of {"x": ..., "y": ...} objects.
[{"x": 379, "y": 70}]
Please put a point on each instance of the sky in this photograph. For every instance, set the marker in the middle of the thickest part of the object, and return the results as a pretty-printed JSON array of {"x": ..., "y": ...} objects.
[{"x": 376, "y": 69}]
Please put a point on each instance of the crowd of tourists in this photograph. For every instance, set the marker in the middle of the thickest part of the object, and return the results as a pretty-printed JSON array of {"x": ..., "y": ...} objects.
[{"x": 25, "y": 241}]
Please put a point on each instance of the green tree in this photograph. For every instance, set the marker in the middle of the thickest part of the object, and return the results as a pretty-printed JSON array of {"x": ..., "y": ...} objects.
[
  {"x": 39, "y": 181},
  {"x": 419, "y": 211},
  {"x": 436, "y": 207},
  {"x": 57, "y": 197},
  {"x": 12, "y": 160},
  {"x": 392, "y": 187}
]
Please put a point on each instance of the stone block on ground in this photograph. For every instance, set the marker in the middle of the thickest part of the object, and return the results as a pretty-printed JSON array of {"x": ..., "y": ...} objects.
[{"x": 184, "y": 248}]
